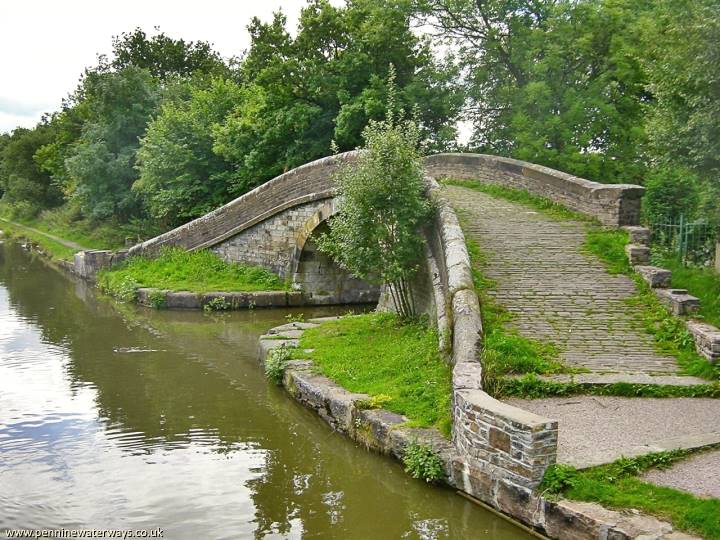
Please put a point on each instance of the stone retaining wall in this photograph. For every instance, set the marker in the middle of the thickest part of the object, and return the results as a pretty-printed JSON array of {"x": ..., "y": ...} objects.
[
  {"x": 496, "y": 441},
  {"x": 386, "y": 432},
  {"x": 612, "y": 204}
]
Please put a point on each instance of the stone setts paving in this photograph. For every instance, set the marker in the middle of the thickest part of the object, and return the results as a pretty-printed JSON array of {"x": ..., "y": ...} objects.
[{"x": 556, "y": 292}]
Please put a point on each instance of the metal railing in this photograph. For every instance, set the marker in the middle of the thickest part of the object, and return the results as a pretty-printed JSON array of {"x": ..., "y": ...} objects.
[{"x": 692, "y": 242}]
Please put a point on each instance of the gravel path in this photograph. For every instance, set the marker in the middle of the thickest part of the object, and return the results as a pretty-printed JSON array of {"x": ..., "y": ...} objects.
[
  {"x": 699, "y": 475},
  {"x": 601, "y": 429},
  {"x": 557, "y": 293}
]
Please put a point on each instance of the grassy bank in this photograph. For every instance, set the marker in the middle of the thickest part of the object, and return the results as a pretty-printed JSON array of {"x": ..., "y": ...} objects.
[
  {"x": 67, "y": 223},
  {"x": 179, "y": 270},
  {"x": 617, "y": 485},
  {"x": 701, "y": 282},
  {"x": 55, "y": 249},
  {"x": 397, "y": 364}
]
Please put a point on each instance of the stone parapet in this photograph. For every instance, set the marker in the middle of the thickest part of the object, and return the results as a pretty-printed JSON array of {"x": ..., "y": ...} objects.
[
  {"x": 305, "y": 184},
  {"x": 611, "y": 204},
  {"x": 512, "y": 443}
]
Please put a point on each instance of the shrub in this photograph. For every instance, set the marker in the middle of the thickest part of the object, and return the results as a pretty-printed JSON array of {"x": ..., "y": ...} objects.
[
  {"x": 375, "y": 234},
  {"x": 671, "y": 192},
  {"x": 219, "y": 303},
  {"x": 276, "y": 362},
  {"x": 421, "y": 461},
  {"x": 157, "y": 298}
]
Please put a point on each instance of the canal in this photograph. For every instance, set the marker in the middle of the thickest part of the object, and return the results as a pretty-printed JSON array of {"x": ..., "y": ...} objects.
[{"x": 119, "y": 417}]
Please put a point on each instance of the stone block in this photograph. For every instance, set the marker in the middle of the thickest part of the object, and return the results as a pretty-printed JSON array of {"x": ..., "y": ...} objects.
[
  {"x": 678, "y": 301},
  {"x": 182, "y": 300},
  {"x": 467, "y": 322},
  {"x": 574, "y": 520},
  {"x": 467, "y": 376},
  {"x": 637, "y": 255},
  {"x": 517, "y": 501},
  {"x": 269, "y": 298},
  {"x": 657, "y": 278},
  {"x": 639, "y": 235},
  {"x": 707, "y": 339},
  {"x": 499, "y": 440},
  {"x": 88, "y": 263}
]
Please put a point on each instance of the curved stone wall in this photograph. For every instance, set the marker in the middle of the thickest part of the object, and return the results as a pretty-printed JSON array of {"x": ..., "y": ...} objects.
[{"x": 612, "y": 204}]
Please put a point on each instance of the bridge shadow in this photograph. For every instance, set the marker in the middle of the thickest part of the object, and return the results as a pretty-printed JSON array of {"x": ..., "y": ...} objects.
[{"x": 324, "y": 282}]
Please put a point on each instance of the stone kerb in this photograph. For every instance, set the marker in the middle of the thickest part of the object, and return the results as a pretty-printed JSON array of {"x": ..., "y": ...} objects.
[
  {"x": 307, "y": 183},
  {"x": 612, "y": 204}
]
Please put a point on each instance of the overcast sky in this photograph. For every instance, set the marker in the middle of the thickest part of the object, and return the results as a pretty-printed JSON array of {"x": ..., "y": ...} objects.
[{"x": 46, "y": 44}]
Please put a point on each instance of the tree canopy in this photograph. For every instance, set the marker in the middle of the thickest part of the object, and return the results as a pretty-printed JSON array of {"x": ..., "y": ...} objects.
[{"x": 163, "y": 130}]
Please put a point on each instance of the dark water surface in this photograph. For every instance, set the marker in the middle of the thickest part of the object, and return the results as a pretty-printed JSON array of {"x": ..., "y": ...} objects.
[{"x": 121, "y": 417}]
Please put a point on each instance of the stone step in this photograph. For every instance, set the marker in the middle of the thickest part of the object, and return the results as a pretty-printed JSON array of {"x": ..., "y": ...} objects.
[
  {"x": 678, "y": 301},
  {"x": 637, "y": 254},
  {"x": 638, "y": 235},
  {"x": 707, "y": 339},
  {"x": 657, "y": 278}
]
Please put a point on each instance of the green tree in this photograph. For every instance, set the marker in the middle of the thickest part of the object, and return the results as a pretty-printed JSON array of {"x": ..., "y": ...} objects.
[
  {"x": 671, "y": 192},
  {"x": 102, "y": 163},
  {"x": 682, "y": 61},
  {"x": 163, "y": 56},
  {"x": 326, "y": 83},
  {"x": 555, "y": 83},
  {"x": 26, "y": 188},
  {"x": 375, "y": 234},
  {"x": 181, "y": 178}
]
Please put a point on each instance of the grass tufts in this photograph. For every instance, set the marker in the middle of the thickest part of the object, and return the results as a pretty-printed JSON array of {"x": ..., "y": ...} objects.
[
  {"x": 396, "y": 363},
  {"x": 194, "y": 271},
  {"x": 617, "y": 485}
]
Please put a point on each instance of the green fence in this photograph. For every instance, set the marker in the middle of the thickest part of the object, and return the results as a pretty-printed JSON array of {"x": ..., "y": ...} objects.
[{"x": 692, "y": 242}]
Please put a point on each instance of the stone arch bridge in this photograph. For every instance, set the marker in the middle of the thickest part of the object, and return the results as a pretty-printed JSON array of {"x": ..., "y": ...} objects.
[
  {"x": 499, "y": 452},
  {"x": 275, "y": 225}
]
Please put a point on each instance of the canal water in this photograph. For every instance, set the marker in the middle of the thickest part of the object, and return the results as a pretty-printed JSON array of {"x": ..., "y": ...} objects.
[{"x": 119, "y": 417}]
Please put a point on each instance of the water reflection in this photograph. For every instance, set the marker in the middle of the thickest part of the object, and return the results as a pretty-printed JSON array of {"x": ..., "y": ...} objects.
[{"x": 130, "y": 418}]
